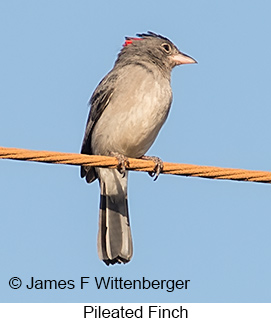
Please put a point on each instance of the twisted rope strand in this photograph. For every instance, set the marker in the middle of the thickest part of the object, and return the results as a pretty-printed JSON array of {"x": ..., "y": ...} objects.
[{"x": 135, "y": 165}]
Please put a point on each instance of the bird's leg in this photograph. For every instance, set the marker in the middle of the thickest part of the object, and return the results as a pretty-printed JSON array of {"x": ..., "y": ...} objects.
[
  {"x": 123, "y": 162},
  {"x": 157, "y": 168}
]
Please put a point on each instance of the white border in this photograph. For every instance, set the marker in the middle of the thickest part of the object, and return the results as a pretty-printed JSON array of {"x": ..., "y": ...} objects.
[{"x": 74, "y": 312}]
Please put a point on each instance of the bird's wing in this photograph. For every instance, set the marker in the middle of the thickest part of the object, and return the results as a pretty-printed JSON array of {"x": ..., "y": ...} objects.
[{"x": 98, "y": 102}]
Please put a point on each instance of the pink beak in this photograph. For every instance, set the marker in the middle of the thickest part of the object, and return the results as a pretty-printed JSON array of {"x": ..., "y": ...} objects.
[{"x": 182, "y": 58}]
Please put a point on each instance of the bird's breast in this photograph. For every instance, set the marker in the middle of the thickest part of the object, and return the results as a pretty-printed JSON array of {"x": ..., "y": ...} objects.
[{"x": 136, "y": 112}]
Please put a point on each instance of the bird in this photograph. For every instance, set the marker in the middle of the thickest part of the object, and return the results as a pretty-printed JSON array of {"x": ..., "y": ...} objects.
[{"x": 127, "y": 110}]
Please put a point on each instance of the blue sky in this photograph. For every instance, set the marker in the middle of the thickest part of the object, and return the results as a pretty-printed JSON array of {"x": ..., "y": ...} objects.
[{"x": 214, "y": 233}]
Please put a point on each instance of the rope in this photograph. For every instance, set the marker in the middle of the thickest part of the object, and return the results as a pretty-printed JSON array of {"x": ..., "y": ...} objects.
[{"x": 135, "y": 165}]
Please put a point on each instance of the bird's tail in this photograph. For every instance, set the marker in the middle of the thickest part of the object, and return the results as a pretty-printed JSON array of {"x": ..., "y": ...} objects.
[{"x": 114, "y": 236}]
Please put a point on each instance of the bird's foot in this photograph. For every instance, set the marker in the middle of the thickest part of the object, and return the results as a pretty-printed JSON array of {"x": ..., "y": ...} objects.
[
  {"x": 158, "y": 168},
  {"x": 123, "y": 162}
]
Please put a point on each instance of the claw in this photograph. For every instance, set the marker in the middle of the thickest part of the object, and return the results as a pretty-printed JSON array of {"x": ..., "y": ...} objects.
[
  {"x": 123, "y": 162},
  {"x": 158, "y": 168}
]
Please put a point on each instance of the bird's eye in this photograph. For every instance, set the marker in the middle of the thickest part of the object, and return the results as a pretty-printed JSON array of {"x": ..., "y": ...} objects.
[{"x": 166, "y": 47}]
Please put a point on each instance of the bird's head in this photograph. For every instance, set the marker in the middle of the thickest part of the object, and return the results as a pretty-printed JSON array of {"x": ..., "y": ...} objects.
[{"x": 153, "y": 48}]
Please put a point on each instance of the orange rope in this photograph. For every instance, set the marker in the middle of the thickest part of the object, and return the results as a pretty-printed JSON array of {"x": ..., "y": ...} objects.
[{"x": 136, "y": 165}]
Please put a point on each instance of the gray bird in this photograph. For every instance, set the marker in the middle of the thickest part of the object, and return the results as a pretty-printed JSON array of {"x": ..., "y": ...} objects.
[{"x": 127, "y": 110}]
